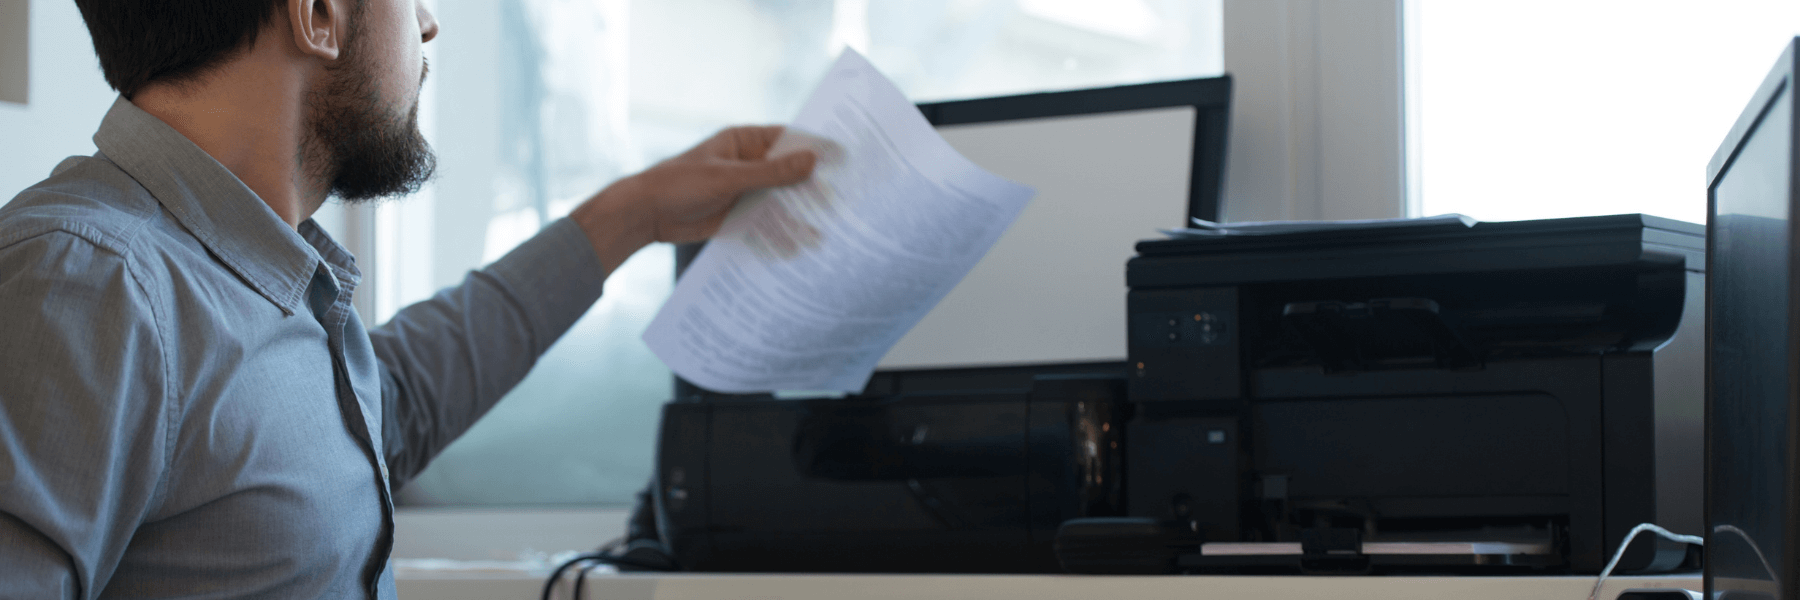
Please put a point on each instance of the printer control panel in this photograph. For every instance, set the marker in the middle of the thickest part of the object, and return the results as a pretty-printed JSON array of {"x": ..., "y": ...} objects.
[{"x": 1173, "y": 330}]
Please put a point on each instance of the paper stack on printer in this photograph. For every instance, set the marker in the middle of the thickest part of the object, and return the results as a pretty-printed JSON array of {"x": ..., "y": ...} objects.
[
  {"x": 1207, "y": 229},
  {"x": 805, "y": 287}
]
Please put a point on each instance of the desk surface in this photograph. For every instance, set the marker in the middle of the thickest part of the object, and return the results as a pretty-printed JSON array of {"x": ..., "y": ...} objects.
[{"x": 1042, "y": 587}]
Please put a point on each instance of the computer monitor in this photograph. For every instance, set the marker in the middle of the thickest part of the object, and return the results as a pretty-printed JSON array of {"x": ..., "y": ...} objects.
[
  {"x": 1111, "y": 166},
  {"x": 1753, "y": 335}
]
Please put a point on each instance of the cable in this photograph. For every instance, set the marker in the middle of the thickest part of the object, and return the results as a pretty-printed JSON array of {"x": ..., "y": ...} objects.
[
  {"x": 580, "y": 580},
  {"x": 609, "y": 548},
  {"x": 611, "y": 545},
  {"x": 1753, "y": 548},
  {"x": 550, "y": 584},
  {"x": 581, "y": 575},
  {"x": 1642, "y": 527}
]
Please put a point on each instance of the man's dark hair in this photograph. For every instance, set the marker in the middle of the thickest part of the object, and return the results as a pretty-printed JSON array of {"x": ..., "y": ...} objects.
[{"x": 140, "y": 41}]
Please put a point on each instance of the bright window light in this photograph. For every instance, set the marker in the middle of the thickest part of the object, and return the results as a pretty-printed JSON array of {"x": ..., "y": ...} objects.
[{"x": 1535, "y": 109}]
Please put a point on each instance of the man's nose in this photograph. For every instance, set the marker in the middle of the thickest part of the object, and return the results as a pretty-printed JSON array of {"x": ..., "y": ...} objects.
[{"x": 428, "y": 25}]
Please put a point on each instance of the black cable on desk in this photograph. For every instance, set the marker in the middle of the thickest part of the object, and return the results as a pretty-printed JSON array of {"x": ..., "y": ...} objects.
[
  {"x": 581, "y": 575},
  {"x": 580, "y": 580},
  {"x": 550, "y": 584}
]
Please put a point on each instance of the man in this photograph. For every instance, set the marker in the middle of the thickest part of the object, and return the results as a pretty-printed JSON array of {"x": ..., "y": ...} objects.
[{"x": 188, "y": 405}]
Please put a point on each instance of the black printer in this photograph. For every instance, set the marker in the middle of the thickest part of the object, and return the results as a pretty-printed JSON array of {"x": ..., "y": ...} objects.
[{"x": 1507, "y": 396}]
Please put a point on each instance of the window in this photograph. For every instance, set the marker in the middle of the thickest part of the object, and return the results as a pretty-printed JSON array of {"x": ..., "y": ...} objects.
[
  {"x": 534, "y": 105},
  {"x": 1539, "y": 108}
]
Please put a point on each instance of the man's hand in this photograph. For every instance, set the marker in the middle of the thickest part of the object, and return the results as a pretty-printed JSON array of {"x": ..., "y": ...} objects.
[{"x": 686, "y": 198}]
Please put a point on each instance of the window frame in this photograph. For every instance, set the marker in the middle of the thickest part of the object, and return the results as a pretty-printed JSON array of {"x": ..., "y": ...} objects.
[{"x": 1319, "y": 117}]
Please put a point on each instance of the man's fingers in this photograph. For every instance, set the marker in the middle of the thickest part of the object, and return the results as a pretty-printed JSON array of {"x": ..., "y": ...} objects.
[
  {"x": 694, "y": 196},
  {"x": 753, "y": 142},
  {"x": 739, "y": 176}
]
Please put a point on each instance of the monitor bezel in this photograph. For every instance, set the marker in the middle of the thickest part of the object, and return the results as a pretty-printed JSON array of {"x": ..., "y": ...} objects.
[
  {"x": 1210, "y": 97},
  {"x": 1781, "y": 79}
]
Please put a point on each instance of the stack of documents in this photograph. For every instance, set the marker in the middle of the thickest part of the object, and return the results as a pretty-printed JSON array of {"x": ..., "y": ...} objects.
[{"x": 1208, "y": 229}]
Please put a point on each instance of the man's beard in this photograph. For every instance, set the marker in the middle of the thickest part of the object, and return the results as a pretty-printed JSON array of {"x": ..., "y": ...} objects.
[{"x": 358, "y": 146}]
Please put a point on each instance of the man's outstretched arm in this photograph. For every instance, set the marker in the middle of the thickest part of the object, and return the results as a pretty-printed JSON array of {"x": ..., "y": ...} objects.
[{"x": 448, "y": 359}]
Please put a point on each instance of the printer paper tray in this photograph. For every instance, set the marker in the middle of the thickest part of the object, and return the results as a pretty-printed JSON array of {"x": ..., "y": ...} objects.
[{"x": 1383, "y": 548}]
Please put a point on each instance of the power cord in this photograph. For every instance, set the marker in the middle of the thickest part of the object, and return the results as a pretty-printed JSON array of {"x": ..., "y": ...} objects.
[
  {"x": 641, "y": 555},
  {"x": 1642, "y": 527},
  {"x": 1732, "y": 529},
  {"x": 581, "y": 575},
  {"x": 550, "y": 584}
]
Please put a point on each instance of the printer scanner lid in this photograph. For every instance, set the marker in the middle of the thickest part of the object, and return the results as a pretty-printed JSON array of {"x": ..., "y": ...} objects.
[{"x": 1614, "y": 240}]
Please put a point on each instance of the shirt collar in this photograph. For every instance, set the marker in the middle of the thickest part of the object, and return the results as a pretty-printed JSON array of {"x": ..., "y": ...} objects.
[{"x": 218, "y": 209}]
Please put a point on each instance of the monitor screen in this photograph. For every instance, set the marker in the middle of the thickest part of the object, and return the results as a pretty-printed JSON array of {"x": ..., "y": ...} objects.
[
  {"x": 1751, "y": 344},
  {"x": 1053, "y": 288},
  {"x": 1111, "y": 167}
]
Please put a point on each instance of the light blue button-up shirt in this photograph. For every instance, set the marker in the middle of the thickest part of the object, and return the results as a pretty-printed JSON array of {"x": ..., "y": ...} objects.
[{"x": 189, "y": 405}]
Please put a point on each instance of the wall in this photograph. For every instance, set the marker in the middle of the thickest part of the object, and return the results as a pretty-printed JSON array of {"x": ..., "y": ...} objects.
[
  {"x": 15, "y": 41},
  {"x": 1318, "y": 122},
  {"x": 67, "y": 97}
]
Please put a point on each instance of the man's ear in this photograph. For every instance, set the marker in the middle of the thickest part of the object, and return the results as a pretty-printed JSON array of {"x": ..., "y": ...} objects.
[{"x": 319, "y": 26}]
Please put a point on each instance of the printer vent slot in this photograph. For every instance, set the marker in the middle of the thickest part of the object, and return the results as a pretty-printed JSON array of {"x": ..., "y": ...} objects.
[{"x": 1378, "y": 333}]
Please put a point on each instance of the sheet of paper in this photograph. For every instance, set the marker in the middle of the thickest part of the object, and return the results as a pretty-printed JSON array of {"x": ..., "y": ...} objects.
[
  {"x": 1208, "y": 229},
  {"x": 807, "y": 286}
]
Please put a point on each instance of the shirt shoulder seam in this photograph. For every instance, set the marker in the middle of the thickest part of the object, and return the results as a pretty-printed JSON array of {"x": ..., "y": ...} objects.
[
  {"x": 81, "y": 231},
  {"x": 171, "y": 413},
  {"x": 120, "y": 243}
]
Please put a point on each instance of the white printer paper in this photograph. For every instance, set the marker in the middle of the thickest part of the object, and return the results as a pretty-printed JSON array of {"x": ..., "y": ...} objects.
[
  {"x": 807, "y": 286},
  {"x": 1207, "y": 229}
]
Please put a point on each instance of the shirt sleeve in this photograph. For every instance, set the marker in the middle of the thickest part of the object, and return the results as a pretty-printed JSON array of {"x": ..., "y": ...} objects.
[
  {"x": 83, "y": 415},
  {"x": 448, "y": 359}
]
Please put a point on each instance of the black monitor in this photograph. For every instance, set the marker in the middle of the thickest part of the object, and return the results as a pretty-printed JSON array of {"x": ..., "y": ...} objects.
[
  {"x": 1753, "y": 334},
  {"x": 1111, "y": 166},
  {"x": 1209, "y": 99}
]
